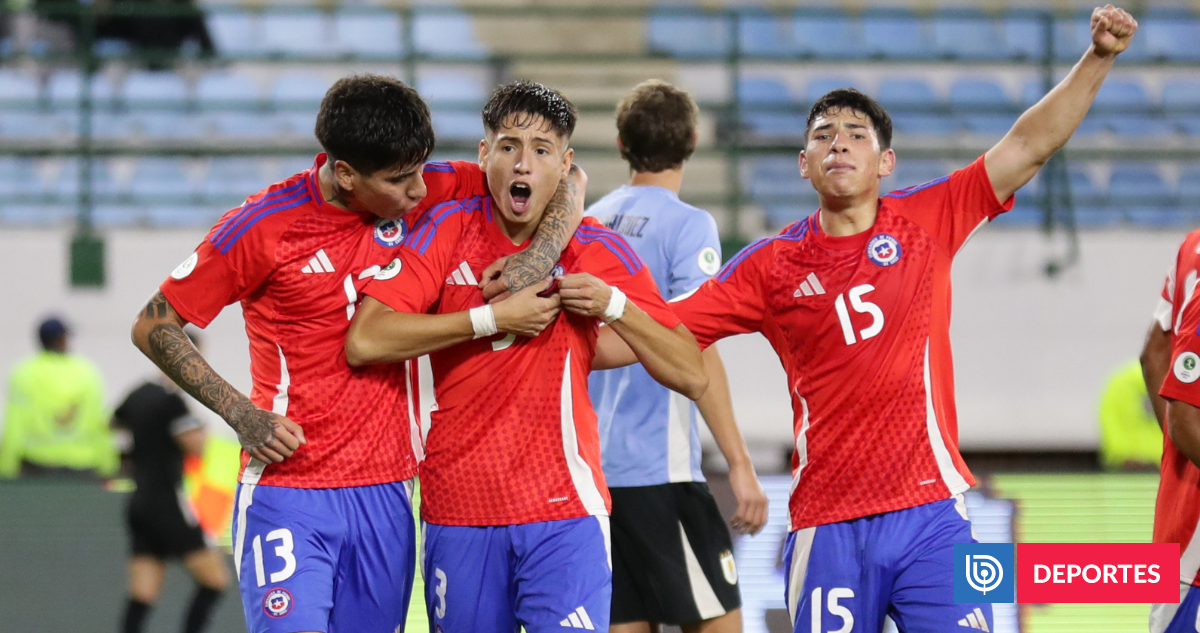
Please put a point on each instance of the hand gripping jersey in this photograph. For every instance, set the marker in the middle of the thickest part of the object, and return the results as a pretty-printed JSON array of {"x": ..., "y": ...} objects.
[
  {"x": 648, "y": 433},
  {"x": 297, "y": 265},
  {"x": 1177, "y": 511},
  {"x": 862, "y": 326},
  {"x": 513, "y": 437}
]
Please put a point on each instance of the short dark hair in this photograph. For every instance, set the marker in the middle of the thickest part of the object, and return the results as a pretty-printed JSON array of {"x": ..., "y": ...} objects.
[
  {"x": 374, "y": 122},
  {"x": 528, "y": 99},
  {"x": 835, "y": 100},
  {"x": 657, "y": 126}
]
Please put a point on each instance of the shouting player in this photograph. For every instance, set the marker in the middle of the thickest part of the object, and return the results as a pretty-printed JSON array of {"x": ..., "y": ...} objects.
[
  {"x": 1171, "y": 365},
  {"x": 514, "y": 503},
  {"x": 855, "y": 299},
  {"x": 323, "y": 532},
  {"x": 665, "y": 524}
]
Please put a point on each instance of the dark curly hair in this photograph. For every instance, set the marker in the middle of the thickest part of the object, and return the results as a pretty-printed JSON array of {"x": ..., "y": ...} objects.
[
  {"x": 835, "y": 100},
  {"x": 374, "y": 122},
  {"x": 519, "y": 102}
]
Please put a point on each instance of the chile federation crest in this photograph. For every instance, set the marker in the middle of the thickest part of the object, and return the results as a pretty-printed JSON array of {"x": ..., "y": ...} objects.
[{"x": 883, "y": 249}]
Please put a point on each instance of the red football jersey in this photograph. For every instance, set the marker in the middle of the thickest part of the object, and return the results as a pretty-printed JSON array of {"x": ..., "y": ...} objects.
[
  {"x": 862, "y": 326},
  {"x": 1177, "y": 511},
  {"x": 297, "y": 265},
  {"x": 513, "y": 436}
]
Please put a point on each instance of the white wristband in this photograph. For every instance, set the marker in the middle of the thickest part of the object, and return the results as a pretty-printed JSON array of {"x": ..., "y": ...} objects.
[
  {"x": 616, "y": 305},
  {"x": 483, "y": 321}
]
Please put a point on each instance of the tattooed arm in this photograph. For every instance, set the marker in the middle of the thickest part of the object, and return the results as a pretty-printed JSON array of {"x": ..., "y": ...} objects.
[
  {"x": 563, "y": 214},
  {"x": 158, "y": 333}
]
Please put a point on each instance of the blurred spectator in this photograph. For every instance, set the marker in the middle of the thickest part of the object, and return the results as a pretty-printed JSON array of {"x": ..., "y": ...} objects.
[
  {"x": 169, "y": 30},
  {"x": 1130, "y": 438},
  {"x": 162, "y": 525},
  {"x": 56, "y": 423}
]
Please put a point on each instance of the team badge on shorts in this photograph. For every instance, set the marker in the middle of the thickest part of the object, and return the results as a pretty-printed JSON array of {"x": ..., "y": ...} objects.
[
  {"x": 278, "y": 602},
  {"x": 883, "y": 249},
  {"x": 389, "y": 232},
  {"x": 728, "y": 567}
]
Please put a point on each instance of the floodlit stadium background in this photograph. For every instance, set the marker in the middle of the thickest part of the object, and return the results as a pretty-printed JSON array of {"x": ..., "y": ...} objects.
[{"x": 121, "y": 171}]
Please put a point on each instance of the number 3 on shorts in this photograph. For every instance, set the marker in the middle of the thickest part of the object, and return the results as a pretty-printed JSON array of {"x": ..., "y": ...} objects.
[
  {"x": 440, "y": 591},
  {"x": 283, "y": 550}
]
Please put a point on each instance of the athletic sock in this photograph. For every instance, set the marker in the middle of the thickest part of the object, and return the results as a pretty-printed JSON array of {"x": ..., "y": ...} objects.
[
  {"x": 135, "y": 615},
  {"x": 201, "y": 609}
]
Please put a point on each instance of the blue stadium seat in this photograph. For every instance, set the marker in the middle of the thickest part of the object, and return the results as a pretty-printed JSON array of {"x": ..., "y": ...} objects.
[
  {"x": 1138, "y": 184},
  {"x": 369, "y": 35},
  {"x": 173, "y": 125},
  {"x": 1189, "y": 185},
  {"x": 818, "y": 87},
  {"x": 36, "y": 215},
  {"x": 906, "y": 94},
  {"x": 828, "y": 37},
  {"x": 1181, "y": 94},
  {"x": 1161, "y": 217},
  {"x": 1140, "y": 126},
  {"x": 455, "y": 88},
  {"x": 299, "y": 90},
  {"x": 757, "y": 91},
  {"x": 779, "y": 216},
  {"x": 963, "y": 36},
  {"x": 1122, "y": 95},
  {"x": 182, "y": 216},
  {"x": 464, "y": 126},
  {"x": 57, "y": 178},
  {"x": 687, "y": 35},
  {"x": 896, "y": 34},
  {"x": 1083, "y": 190},
  {"x": 1032, "y": 92},
  {"x": 43, "y": 126},
  {"x": 66, "y": 87},
  {"x": 236, "y": 34},
  {"x": 245, "y": 125},
  {"x": 161, "y": 87},
  {"x": 777, "y": 180},
  {"x": 233, "y": 179},
  {"x": 447, "y": 34},
  {"x": 1024, "y": 37},
  {"x": 1188, "y": 124},
  {"x": 115, "y": 126},
  {"x": 916, "y": 172},
  {"x": 219, "y": 88},
  {"x": 1021, "y": 215},
  {"x": 16, "y": 86},
  {"x": 923, "y": 124},
  {"x": 1071, "y": 38},
  {"x": 764, "y": 35},
  {"x": 1172, "y": 38},
  {"x": 296, "y": 34},
  {"x": 118, "y": 215},
  {"x": 17, "y": 177},
  {"x": 1088, "y": 216},
  {"x": 301, "y": 124},
  {"x": 160, "y": 177},
  {"x": 977, "y": 94},
  {"x": 112, "y": 178},
  {"x": 774, "y": 126}
]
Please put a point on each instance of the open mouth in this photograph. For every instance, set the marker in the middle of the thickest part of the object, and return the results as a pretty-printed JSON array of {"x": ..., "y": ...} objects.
[{"x": 520, "y": 193}]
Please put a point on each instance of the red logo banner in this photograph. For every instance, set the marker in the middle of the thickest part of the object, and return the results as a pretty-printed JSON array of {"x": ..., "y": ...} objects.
[{"x": 1097, "y": 572}]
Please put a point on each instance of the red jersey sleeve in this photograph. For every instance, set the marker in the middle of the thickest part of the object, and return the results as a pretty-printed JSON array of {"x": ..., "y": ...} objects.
[
  {"x": 450, "y": 180},
  {"x": 1183, "y": 380},
  {"x": 732, "y": 302},
  {"x": 413, "y": 282},
  {"x": 952, "y": 207},
  {"x": 230, "y": 264},
  {"x": 611, "y": 258}
]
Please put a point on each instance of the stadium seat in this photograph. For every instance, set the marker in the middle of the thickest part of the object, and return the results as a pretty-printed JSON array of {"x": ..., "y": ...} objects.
[
  {"x": 292, "y": 90},
  {"x": 246, "y": 125},
  {"x": 156, "y": 178},
  {"x": 967, "y": 36},
  {"x": 36, "y": 215},
  {"x": 978, "y": 95},
  {"x": 463, "y": 126},
  {"x": 1024, "y": 37},
  {"x": 896, "y": 34},
  {"x": 756, "y": 91},
  {"x": 115, "y": 126},
  {"x": 301, "y": 124},
  {"x": 174, "y": 125},
  {"x": 236, "y": 34},
  {"x": 118, "y": 215},
  {"x": 828, "y": 37},
  {"x": 1188, "y": 124},
  {"x": 1071, "y": 38},
  {"x": 921, "y": 124},
  {"x": 447, "y": 34},
  {"x": 776, "y": 180},
  {"x": 764, "y": 35},
  {"x": 233, "y": 179},
  {"x": 1189, "y": 185},
  {"x": 1121, "y": 96},
  {"x": 1161, "y": 217},
  {"x": 112, "y": 179},
  {"x": 774, "y": 126},
  {"x": 915, "y": 172},
  {"x": 1138, "y": 184},
  {"x": 779, "y": 216},
  {"x": 17, "y": 177},
  {"x": 16, "y": 86},
  {"x": 1020, "y": 215},
  {"x": 182, "y": 216},
  {"x": 1181, "y": 94},
  {"x": 1172, "y": 38},
  {"x": 818, "y": 87},
  {"x": 369, "y": 35},
  {"x": 906, "y": 94},
  {"x": 1140, "y": 126},
  {"x": 1094, "y": 216},
  {"x": 58, "y": 178},
  {"x": 1083, "y": 191},
  {"x": 221, "y": 88},
  {"x": 41, "y": 126},
  {"x": 465, "y": 89},
  {"x": 66, "y": 89},
  {"x": 160, "y": 87},
  {"x": 297, "y": 34}
]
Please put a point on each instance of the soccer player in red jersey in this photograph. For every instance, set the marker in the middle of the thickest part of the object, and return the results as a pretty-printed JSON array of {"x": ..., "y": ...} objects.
[
  {"x": 324, "y": 533},
  {"x": 514, "y": 502},
  {"x": 1171, "y": 366},
  {"x": 855, "y": 299}
]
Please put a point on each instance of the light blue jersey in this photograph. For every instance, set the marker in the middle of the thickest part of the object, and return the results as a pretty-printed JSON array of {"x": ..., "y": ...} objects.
[{"x": 648, "y": 433}]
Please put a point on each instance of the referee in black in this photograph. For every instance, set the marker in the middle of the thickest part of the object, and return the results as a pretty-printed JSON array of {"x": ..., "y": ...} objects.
[{"x": 161, "y": 524}]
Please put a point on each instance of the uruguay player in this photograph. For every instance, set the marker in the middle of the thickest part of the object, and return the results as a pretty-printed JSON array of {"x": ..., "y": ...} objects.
[{"x": 672, "y": 555}]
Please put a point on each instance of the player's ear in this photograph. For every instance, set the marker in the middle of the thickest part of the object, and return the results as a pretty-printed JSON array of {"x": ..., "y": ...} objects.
[
  {"x": 483, "y": 152},
  {"x": 887, "y": 163},
  {"x": 568, "y": 157},
  {"x": 345, "y": 174},
  {"x": 803, "y": 165}
]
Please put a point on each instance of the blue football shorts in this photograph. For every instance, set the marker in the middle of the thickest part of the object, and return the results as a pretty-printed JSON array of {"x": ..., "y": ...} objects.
[
  {"x": 547, "y": 576},
  {"x": 1183, "y": 617},
  {"x": 331, "y": 560},
  {"x": 848, "y": 576}
]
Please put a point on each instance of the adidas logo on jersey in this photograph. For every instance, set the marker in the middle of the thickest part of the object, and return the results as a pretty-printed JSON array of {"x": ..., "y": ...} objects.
[
  {"x": 810, "y": 286},
  {"x": 318, "y": 264},
  {"x": 462, "y": 276},
  {"x": 578, "y": 620},
  {"x": 975, "y": 620}
]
